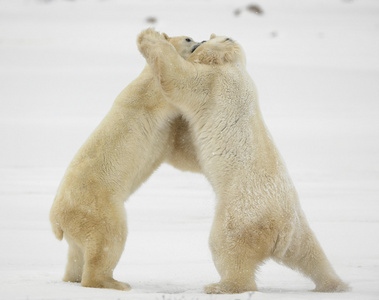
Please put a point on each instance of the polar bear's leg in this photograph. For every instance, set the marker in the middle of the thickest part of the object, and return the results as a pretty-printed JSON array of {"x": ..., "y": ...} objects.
[
  {"x": 75, "y": 262},
  {"x": 235, "y": 256},
  {"x": 103, "y": 249},
  {"x": 306, "y": 255}
]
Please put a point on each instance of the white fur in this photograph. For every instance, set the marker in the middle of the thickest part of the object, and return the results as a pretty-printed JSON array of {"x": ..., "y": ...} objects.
[
  {"x": 140, "y": 131},
  {"x": 258, "y": 215}
]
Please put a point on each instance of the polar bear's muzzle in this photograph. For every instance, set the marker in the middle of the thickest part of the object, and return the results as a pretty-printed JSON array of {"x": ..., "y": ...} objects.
[{"x": 196, "y": 46}]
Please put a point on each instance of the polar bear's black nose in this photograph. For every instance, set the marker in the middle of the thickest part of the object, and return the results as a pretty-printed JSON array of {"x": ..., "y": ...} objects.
[{"x": 197, "y": 45}]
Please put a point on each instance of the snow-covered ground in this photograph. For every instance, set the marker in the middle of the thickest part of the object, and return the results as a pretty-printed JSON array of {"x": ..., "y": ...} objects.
[{"x": 316, "y": 66}]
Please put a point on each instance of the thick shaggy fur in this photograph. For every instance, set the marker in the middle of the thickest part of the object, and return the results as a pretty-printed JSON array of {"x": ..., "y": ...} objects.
[
  {"x": 140, "y": 131},
  {"x": 258, "y": 215}
]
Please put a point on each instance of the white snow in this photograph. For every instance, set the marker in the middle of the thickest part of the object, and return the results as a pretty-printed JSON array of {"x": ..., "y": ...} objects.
[{"x": 316, "y": 66}]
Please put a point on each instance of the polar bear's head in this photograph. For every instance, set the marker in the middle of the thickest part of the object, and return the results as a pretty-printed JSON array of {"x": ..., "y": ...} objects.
[
  {"x": 184, "y": 45},
  {"x": 218, "y": 50}
]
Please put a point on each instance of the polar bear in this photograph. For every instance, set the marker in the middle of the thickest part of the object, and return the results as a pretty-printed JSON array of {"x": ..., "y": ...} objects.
[
  {"x": 140, "y": 131},
  {"x": 258, "y": 215}
]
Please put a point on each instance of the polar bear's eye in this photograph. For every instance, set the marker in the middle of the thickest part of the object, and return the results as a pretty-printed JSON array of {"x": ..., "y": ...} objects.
[
  {"x": 229, "y": 39},
  {"x": 188, "y": 40}
]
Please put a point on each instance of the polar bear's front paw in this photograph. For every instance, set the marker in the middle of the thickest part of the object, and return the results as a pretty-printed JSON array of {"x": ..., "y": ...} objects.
[
  {"x": 148, "y": 36},
  {"x": 147, "y": 41}
]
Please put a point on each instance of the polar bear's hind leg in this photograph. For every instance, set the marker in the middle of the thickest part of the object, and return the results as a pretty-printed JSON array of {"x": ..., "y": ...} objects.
[
  {"x": 104, "y": 245},
  {"x": 237, "y": 253},
  {"x": 101, "y": 257},
  {"x": 75, "y": 262},
  {"x": 306, "y": 255}
]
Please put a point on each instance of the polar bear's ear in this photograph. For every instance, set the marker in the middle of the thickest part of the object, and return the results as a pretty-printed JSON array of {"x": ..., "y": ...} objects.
[
  {"x": 165, "y": 36},
  {"x": 213, "y": 35}
]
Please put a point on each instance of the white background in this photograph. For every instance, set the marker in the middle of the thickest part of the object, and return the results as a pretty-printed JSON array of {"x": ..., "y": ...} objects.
[{"x": 316, "y": 66}]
